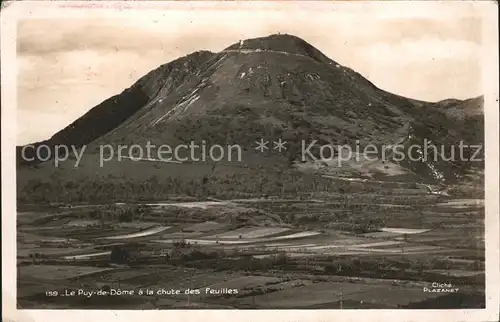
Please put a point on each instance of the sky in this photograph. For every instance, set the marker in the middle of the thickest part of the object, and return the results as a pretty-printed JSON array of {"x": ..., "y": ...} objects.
[{"x": 68, "y": 65}]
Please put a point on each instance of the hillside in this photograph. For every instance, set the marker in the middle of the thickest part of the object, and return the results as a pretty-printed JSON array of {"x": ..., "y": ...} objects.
[
  {"x": 470, "y": 108},
  {"x": 272, "y": 87}
]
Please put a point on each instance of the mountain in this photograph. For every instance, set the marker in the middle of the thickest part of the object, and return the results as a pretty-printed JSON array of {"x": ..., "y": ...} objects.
[
  {"x": 466, "y": 109},
  {"x": 274, "y": 87}
]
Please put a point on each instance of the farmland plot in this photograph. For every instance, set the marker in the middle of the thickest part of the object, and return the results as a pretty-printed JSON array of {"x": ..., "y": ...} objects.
[
  {"x": 404, "y": 230},
  {"x": 251, "y": 232},
  {"x": 52, "y": 272},
  {"x": 247, "y": 282},
  {"x": 205, "y": 226},
  {"x": 308, "y": 295},
  {"x": 391, "y": 296},
  {"x": 143, "y": 233}
]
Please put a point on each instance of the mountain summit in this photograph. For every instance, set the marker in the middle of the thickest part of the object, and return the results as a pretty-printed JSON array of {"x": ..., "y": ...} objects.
[
  {"x": 281, "y": 43},
  {"x": 272, "y": 87}
]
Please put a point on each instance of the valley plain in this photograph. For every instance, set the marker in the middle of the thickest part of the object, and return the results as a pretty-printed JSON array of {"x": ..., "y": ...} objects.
[{"x": 359, "y": 248}]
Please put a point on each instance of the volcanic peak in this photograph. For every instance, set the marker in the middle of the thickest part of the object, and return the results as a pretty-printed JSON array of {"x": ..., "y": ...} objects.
[{"x": 282, "y": 43}]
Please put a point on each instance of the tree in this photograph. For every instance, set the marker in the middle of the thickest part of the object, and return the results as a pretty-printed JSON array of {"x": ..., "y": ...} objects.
[
  {"x": 119, "y": 255},
  {"x": 126, "y": 216},
  {"x": 106, "y": 289},
  {"x": 280, "y": 259}
]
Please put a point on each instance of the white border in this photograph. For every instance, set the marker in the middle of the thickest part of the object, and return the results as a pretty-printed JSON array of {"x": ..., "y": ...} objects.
[{"x": 119, "y": 9}]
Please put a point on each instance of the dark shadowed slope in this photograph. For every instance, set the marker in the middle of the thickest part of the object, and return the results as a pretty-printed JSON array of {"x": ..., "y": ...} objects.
[{"x": 119, "y": 108}]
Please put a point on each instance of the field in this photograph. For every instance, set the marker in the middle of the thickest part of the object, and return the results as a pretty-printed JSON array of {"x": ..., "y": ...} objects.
[{"x": 356, "y": 250}]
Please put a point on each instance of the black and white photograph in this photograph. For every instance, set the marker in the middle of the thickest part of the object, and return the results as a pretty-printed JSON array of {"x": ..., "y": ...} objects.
[{"x": 251, "y": 156}]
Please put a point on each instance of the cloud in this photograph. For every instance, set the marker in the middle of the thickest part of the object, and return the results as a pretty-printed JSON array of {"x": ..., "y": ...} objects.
[
  {"x": 68, "y": 66},
  {"x": 44, "y": 123},
  {"x": 434, "y": 68},
  {"x": 39, "y": 37},
  {"x": 423, "y": 49}
]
